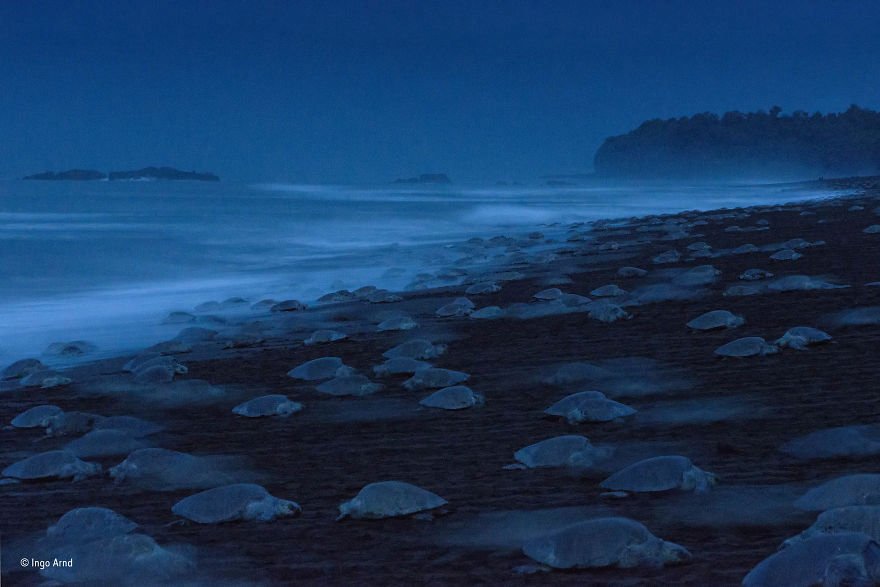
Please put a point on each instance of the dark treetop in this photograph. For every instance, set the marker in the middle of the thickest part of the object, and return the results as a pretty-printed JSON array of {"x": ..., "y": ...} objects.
[{"x": 755, "y": 144}]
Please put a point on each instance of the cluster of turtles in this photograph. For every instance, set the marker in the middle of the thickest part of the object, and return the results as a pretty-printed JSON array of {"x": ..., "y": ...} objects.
[{"x": 840, "y": 548}]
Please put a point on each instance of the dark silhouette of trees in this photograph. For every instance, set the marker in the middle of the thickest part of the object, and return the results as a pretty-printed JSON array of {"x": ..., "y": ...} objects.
[{"x": 756, "y": 144}]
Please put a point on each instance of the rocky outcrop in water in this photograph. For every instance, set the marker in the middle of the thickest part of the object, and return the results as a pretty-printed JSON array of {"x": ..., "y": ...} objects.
[
  {"x": 70, "y": 174},
  {"x": 145, "y": 174},
  {"x": 436, "y": 178}
]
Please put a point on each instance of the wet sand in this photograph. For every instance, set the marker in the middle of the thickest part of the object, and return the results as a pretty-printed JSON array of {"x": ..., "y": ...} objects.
[{"x": 323, "y": 455}]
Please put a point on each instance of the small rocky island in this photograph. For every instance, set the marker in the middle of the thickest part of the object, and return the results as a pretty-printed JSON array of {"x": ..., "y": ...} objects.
[
  {"x": 69, "y": 175},
  {"x": 145, "y": 174},
  {"x": 435, "y": 178}
]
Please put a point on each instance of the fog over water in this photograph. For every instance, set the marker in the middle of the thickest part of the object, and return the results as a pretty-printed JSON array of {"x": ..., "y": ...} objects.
[{"x": 105, "y": 262}]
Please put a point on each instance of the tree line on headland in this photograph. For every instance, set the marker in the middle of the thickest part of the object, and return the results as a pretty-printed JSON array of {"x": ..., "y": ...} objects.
[{"x": 752, "y": 144}]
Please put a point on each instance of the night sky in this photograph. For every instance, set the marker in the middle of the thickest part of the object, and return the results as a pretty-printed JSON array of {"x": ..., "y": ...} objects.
[{"x": 368, "y": 91}]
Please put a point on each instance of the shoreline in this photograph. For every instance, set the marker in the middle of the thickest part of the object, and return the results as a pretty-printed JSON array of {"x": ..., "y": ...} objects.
[
  {"x": 729, "y": 416},
  {"x": 122, "y": 311}
]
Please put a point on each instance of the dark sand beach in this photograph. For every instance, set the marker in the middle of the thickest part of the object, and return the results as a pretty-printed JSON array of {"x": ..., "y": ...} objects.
[{"x": 730, "y": 416}]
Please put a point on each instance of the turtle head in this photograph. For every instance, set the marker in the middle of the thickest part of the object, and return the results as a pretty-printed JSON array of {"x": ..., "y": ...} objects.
[
  {"x": 286, "y": 507},
  {"x": 698, "y": 480},
  {"x": 346, "y": 509},
  {"x": 674, "y": 554}
]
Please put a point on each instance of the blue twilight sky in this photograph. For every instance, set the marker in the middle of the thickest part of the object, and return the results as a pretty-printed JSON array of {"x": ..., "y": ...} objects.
[{"x": 345, "y": 91}]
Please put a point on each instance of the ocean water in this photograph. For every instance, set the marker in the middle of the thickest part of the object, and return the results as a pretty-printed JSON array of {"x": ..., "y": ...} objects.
[{"x": 106, "y": 261}]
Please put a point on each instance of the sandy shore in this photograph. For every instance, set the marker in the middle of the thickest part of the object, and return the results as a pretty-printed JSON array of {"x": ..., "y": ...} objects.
[{"x": 729, "y": 416}]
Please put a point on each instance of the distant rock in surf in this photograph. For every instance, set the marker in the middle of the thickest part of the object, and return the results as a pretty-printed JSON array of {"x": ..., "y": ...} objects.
[
  {"x": 152, "y": 173},
  {"x": 145, "y": 174},
  {"x": 70, "y": 175},
  {"x": 440, "y": 178}
]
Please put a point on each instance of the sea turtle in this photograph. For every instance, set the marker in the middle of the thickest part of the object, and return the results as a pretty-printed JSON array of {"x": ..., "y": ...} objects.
[
  {"x": 670, "y": 256},
  {"x": 104, "y": 443},
  {"x": 800, "y": 337},
  {"x": 123, "y": 559},
  {"x": 829, "y": 559},
  {"x": 755, "y": 274},
  {"x": 457, "y": 397},
  {"x": 69, "y": 423},
  {"x": 716, "y": 319},
  {"x": 194, "y": 334},
  {"x": 748, "y": 346},
  {"x": 801, "y": 283},
  {"x": 666, "y": 473},
  {"x": 570, "y": 300},
  {"x": 744, "y": 290},
  {"x": 606, "y": 311},
  {"x": 155, "y": 373},
  {"x": 417, "y": 348},
  {"x": 233, "y": 302},
  {"x": 662, "y": 292},
  {"x": 36, "y": 417},
  {"x": 322, "y": 368},
  {"x": 745, "y": 249},
  {"x": 699, "y": 246},
  {"x": 22, "y": 368},
  {"x": 400, "y": 366},
  {"x": 188, "y": 391},
  {"x": 389, "y": 499},
  {"x": 239, "y": 501},
  {"x": 129, "y": 424},
  {"x": 264, "y": 304},
  {"x": 342, "y": 295},
  {"x": 629, "y": 272},
  {"x": 488, "y": 313},
  {"x": 852, "y": 518},
  {"x": 858, "y": 489},
  {"x": 699, "y": 275},
  {"x": 397, "y": 323},
  {"x": 179, "y": 318},
  {"x": 267, "y": 405},
  {"x": 138, "y": 365},
  {"x": 838, "y": 442},
  {"x": 365, "y": 290},
  {"x": 211, "y": 306},
  {"x": 548, "y": 295},
  {"x": 434, "y": 378},
  {"x": 288, "y": 306},
  {"x": 74, "y": 348},
  {"x": 562, "y": 451},
  {"x": 54, "y": 464},
  {"x": 589, "y": 406},
  {"x": 89, "y": 523},
  {"x": 170, "y": 347},
  {"x": 608, "y": 291},
  {"x": 482, "y": 288},
  {"x": 841, "y": 441},
  {"x": 459, "y": 307},
  {"x": 786, "y": 255},
  {"x": 324, "y": 336},
  {"x": 165, "y": 470},
  {"x": 382, "y": 296},
  {"x": 356, "y": 384},
  {"x": 604, "y": 542},
  {"x": 44, "y": 379}
]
